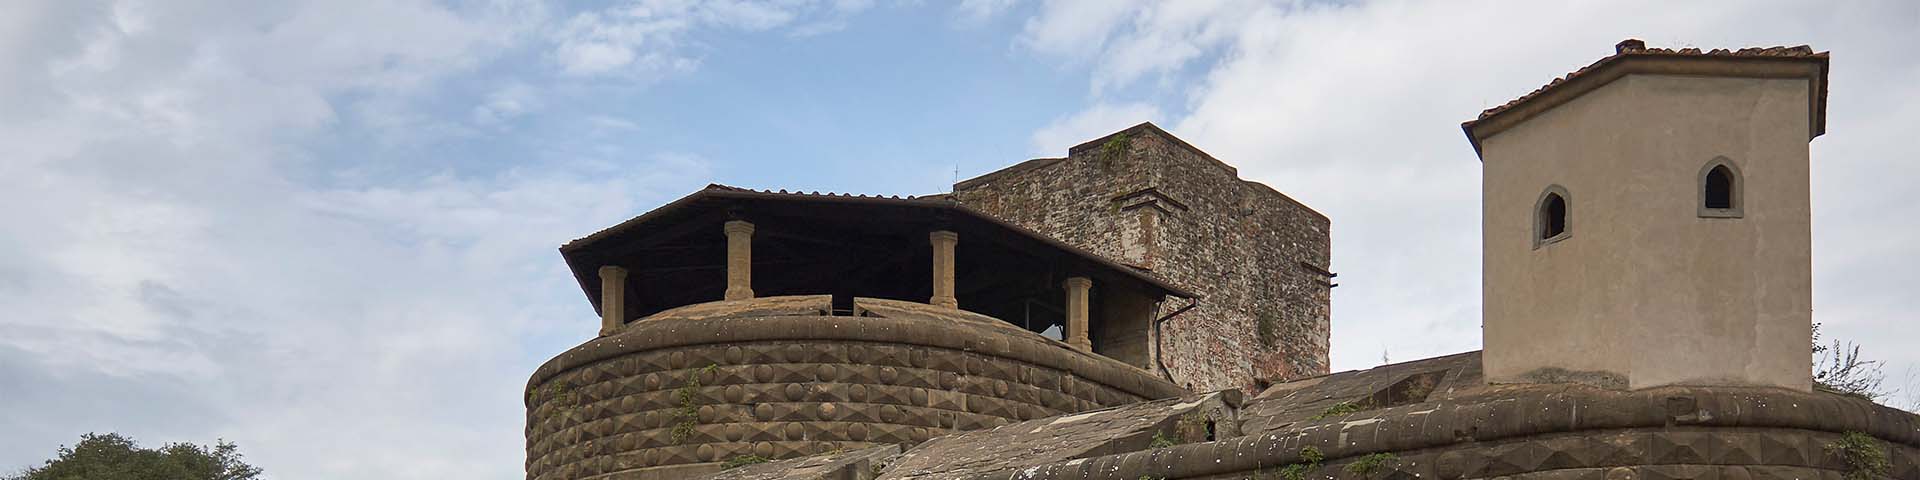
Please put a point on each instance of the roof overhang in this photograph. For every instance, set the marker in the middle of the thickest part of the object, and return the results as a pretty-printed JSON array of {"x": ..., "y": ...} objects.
[
  {"x": 702, "y": 211},
  {"x": 1795, "y": 62}
]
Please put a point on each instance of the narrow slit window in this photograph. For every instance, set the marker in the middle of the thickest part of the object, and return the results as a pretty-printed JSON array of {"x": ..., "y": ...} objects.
[
  {"x": 1720, "y": 189},
  {"x": 1553, "y": 216},
  {"x": 1550, "y": 217}
]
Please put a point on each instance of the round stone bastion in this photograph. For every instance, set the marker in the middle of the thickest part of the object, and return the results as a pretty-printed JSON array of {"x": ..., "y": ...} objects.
[{"x": 680, "y": 392}]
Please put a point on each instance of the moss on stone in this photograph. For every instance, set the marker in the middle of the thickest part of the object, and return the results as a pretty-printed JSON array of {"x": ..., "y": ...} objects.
[
  {"x": 743, "y": 460},
  {"x": 1336, "y": 410},
  {"x": 1369, "y": 464}
]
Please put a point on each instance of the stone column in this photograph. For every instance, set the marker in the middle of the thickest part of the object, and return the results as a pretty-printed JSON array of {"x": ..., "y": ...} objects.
[
  {"x": 1077, "y": 289},
  {"x": 943, "y": 242},
  {"x": 739, "y": 260},
  {"x": 613, "y": 299}
]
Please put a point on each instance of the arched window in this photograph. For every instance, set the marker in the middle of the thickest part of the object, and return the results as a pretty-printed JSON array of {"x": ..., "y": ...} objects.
[
  {"x": 1550, "y": 216},
  {"x": 1720, "y": 189}
]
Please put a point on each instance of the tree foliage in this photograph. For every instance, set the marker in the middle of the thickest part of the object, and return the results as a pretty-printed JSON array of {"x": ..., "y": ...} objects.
[{"x": 115, "y": 457}]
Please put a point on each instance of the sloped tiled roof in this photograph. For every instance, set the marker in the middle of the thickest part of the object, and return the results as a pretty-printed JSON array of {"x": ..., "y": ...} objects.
[
  {"x": 715, "y": 187},
  {"x": 1606, "y": 69},
  {"x": 941, "y": 202}
]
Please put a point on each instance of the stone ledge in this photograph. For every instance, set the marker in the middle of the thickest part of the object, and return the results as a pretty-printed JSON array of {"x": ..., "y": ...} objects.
[
  {"x": 955, "y": 331},
  {"x": 854, "y": 465},
  {"x": 1044, "y": 441},
  {"x": 1684, "y": 425}
]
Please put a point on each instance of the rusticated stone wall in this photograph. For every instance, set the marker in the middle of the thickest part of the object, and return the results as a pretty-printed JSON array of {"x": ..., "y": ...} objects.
[
  {"x": 1756, "y": 453},
  {"x": 1258, "y": 258},
  {"x": 672, "y": 395}
]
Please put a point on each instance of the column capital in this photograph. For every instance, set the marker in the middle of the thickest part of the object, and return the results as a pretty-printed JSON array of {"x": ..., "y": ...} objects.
[
  {"x": 612, "y": 271},
  {"x": 737, "y": 227},
  {"x": 938, "y": 236},
  {"x": 1077, "y": 282}
]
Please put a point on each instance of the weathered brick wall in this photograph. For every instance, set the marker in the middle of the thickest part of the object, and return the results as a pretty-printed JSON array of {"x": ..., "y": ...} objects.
[{"x": 1143, "y": 197}]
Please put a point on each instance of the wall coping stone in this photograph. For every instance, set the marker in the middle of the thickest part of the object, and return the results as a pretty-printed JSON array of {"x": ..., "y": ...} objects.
[
  {"x": 1505, "y": 412},
  {"x": 908, "y": 323}
]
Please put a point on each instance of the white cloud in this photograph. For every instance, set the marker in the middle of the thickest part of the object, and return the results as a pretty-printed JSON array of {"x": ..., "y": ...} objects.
[
  {"x": 184, "y": 260},
  {"x": 1138, "y": 40},
  {"x": 648, "y": 38},
  {"x": 976, "y": 11},
  {"x": 1091, "y": 123},
  {"x": 1354, "y": 109},
  {"x": 506, "y": 103},
  {"x": 1076, "y": 29}
]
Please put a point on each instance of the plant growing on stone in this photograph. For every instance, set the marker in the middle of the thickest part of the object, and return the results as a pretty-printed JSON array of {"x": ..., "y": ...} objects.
[
  {"x": 1336, "y": 410},
  {"x": 562, "y": 392},
  {"x": 1838, "y": 368},
  {"x": 1312, "y": 455},
  {"x": 1309, "y": 461},
  {"x": 1863, "y": 455},
  {"x": 688, "y": 414},
  {"x": 1112, "y": 149},
  {"x": 1160, "y": 440},
  {"x": 1296, "y": 471},
  {"x": 1369, "y": 464}
]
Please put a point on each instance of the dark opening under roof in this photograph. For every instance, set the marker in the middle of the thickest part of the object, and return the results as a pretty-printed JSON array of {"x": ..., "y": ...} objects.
[{"x": 838, "y": 244}]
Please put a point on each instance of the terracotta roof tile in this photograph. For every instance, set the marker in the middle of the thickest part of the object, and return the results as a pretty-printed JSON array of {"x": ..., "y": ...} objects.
[
  {"x": 817, "y": 193},
  {"x": 1634, "y": 47}
]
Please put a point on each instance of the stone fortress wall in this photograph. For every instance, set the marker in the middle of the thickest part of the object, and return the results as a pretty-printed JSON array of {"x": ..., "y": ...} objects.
[
  {"x": 1462, "y": 429},
  {"x": 676, "y": 394},
  {"x": 1258, "y": 259}
]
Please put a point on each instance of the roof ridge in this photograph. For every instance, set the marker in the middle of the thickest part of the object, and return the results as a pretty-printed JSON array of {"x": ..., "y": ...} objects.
[
  {"x": 1635, "y": 47},
  {"x": 1633, "y": 56},
  {"x": 813, "y": 193}
]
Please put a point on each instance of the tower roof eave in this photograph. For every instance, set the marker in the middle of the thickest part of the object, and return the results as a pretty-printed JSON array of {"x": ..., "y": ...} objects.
[{"x": 1633, "y": 57}]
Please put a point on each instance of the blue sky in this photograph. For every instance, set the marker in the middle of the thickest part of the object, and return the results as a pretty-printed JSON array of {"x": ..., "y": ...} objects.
[{"x": 325, "y": 229}]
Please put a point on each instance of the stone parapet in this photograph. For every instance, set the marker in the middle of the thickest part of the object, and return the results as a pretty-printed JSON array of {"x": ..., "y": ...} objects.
[
  {"x": 777, "y": 379},
  {"x": 1564, "y": 431},
  {"x": 848, "y": 465}
]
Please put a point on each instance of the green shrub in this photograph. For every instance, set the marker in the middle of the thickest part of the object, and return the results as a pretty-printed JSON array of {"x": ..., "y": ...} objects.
[
  {"x": 1310, "y": 460},
  {"x": 1863, "y": 455},
  {"x": 1336, "y": 410},
  {"x": 1312, "y": 455},
  {"x": 1161, "y": 440}
]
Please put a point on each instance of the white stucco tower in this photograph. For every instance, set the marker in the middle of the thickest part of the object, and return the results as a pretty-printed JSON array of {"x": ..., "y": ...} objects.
[{"x": 1646, "y": 221}]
